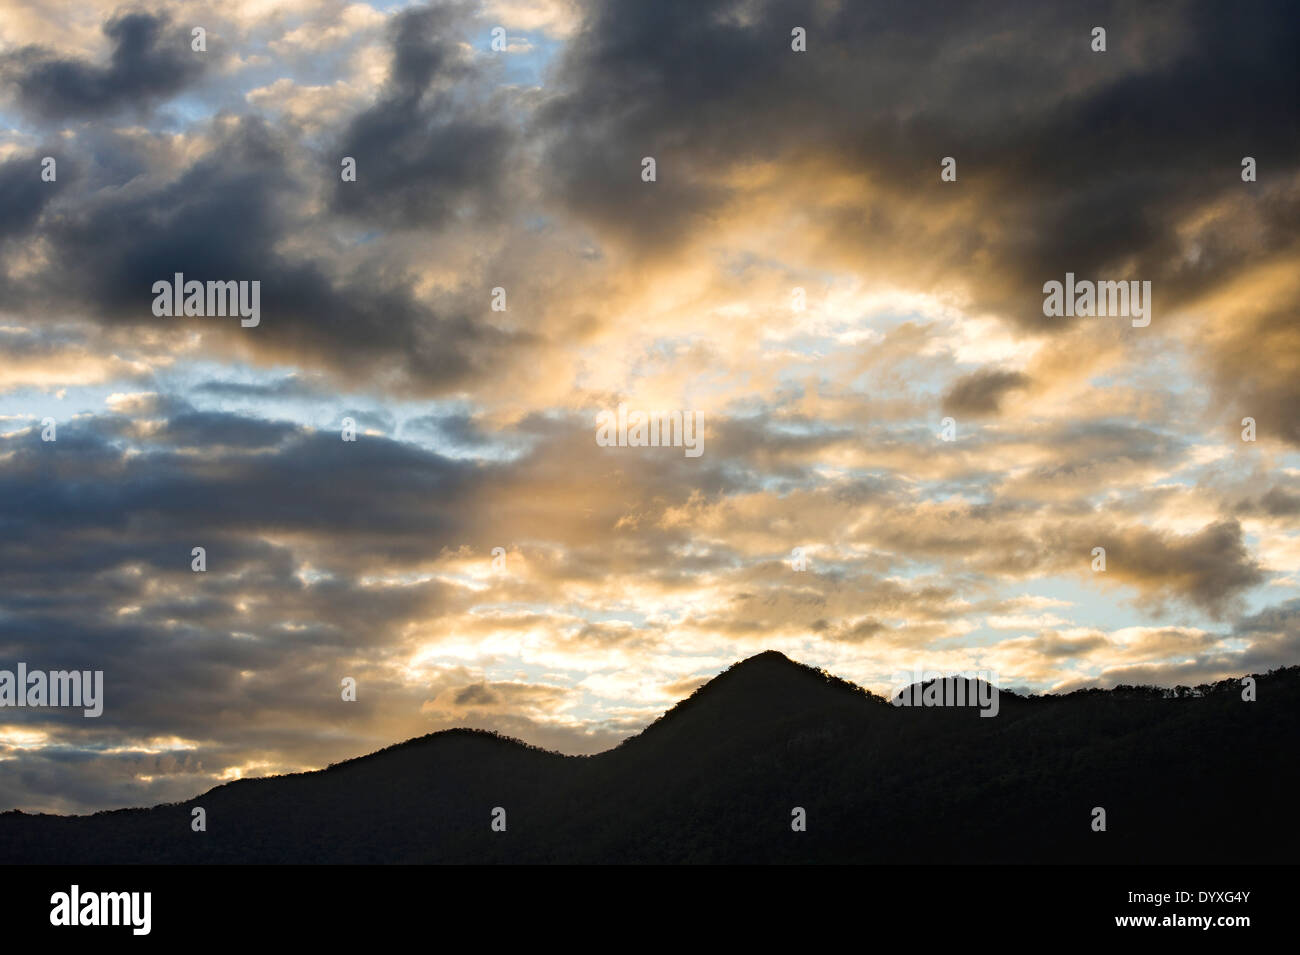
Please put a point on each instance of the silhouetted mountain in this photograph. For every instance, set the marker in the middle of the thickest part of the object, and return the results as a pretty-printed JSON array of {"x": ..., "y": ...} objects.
[{"x": 1194, "y": 776}]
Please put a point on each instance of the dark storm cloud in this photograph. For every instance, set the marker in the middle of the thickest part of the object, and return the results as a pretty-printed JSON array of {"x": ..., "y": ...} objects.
[
  {"x": 478, "y": 694},
  {"x": 1279, "y": 619},
  {"x": 1210, "y": 569},
  {"x": 150, "y": 61},
  {"x": 433, "y": 149},
  {"x": 195, "y": 478},
  {"x": 1053, "y": 646},
  {"x": 855, "y": 633},
  {"x": 121, "y": 501},
  {"x": 224, "y": 218},
  {"x": 1277, "y": 501},
  {"x": 23, "y": 196},
  {"x": 981, "y": 392},
  {"x": 1068, "y": 160},
  {"x": 1080, "y": 177},
  {"x": 210, "y": 429}
]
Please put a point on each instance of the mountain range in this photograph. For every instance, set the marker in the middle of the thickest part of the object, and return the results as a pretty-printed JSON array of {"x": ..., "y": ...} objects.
[{"x": 1188, "y": 776}]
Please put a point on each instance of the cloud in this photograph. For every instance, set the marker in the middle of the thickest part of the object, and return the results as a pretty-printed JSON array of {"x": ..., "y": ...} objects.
[
  {"x": 21, "y": 202},
  {"x": 981, "y": 392},
  {"x": 151, "y": 60},
  {"x": 433, "y": 149},
  {"x": 478, "y": 694},
  {"x": 225, "y": 217},
  {"x": 747, "y": 133},
  {"x": 1210, "y": 568}
]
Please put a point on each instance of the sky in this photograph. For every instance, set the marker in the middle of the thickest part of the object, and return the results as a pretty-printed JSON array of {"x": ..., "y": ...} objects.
[{"x": 905, "y": 465}]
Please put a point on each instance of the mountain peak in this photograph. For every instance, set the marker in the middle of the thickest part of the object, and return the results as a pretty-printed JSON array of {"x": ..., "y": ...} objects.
[
  {"x": 762, "y": 690},
  {"x": 766, "y": 658}
]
